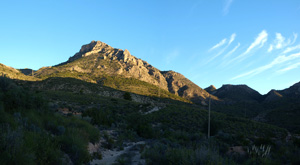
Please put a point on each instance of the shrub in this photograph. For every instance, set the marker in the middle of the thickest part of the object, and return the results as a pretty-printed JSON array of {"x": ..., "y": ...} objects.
[
  {"x": 127, "y": 96},
  {"x": 214, "y": 127},
  {"x": 73, "y": 144}
]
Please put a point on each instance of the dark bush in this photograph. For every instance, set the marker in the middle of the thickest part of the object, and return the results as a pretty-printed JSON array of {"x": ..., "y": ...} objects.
[
  {"x": 214, "y": 127},
  {"x": 127, "y": 96}
]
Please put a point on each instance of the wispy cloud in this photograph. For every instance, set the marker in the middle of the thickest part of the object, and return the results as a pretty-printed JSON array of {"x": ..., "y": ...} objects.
[
  {"x": 295, "y": 38},
  {"x": 276, "y": 61},
  {"x": 259, "y": 41},
  {"x": 231, "y": 39},
  {"x": 270, "y": 48},
  {"x": 294, "y": 66},
  {"x": 227, "y": 6},
  {"x": 221, "y": 43},
  {"x": 289, "y": 49},
  {"x": 280, "y": 42},
  {"x": 232, "y": 51}
]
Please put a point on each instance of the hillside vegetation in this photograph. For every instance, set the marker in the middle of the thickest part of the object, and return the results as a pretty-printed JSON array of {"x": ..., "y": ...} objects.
[{"x": 32, "y": 134}]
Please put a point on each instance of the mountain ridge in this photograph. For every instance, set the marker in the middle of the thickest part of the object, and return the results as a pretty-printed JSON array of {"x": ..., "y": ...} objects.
[
  {"x": 97, "y": 62},
  {"x": 98, "y": 58}
]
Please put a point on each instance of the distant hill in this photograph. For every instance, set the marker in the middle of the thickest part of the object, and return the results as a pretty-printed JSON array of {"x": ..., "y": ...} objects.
[
  {"x": 237, "y": 93},
  {"x": 14, "y": 73}
]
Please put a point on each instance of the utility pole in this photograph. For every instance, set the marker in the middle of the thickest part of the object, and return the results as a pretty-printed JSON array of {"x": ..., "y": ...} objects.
[{"x": 208, "y": 131}]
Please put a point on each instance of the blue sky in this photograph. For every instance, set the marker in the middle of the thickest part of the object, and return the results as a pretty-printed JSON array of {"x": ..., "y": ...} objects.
[{"x": 209, "y": 41}]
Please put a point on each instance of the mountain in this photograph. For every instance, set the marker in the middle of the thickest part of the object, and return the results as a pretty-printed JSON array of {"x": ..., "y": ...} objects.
[
  {"x": 293, "y": 92},
  {"x": 100, "y": 63},
  {"x": 273, "y": 95},
  {"x": 14, "y": 73},
  {"x": 210, "y": 89},
  {"x": 236, "y": 93}
]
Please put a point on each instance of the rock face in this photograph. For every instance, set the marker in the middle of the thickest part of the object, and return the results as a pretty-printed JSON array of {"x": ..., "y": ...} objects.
[
  {"x": 237, "y": 93},
  {"x": 185, "y": 88},
  {"x": 98, "y": 58}
]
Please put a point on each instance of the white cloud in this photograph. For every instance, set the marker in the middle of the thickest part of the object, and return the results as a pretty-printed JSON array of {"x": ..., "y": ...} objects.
[
  {"x": 279, "y": 41},
  {"x": 295, "y": 38},
  {"x": 232, "y": 38},
  {"x": 276, "y": 61},
  {"x": 218, "y": 44},
  {"x": 294, "y": 66},
  {"x": 227, "y": 6},
  {"x": 232, "y": 51},
  {"x": 289, "y": 49},
  {"x": 260, "y": 40},
  {"x": 270, "y": 48}
]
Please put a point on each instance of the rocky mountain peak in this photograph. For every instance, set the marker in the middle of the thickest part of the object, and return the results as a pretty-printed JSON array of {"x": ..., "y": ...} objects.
[
  {"x": 98, "y": 58},
  {"x": 91, "y": 48}
]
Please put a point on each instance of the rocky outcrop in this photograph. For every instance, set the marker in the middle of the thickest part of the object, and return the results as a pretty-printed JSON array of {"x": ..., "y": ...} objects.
[
  {"x": 97, "y": 58},
  {"x": 181, "y": 86}
]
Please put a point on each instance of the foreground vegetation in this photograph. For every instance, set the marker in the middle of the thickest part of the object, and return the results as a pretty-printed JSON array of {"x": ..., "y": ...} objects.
[
  {"x": 34, "y": 132},
  {"x": 31, "y": 134}
]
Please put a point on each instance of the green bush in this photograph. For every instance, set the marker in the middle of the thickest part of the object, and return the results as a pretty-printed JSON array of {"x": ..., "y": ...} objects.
[
  {"x": 140, "y": 125},
  {"x": 127, "y": 96}
]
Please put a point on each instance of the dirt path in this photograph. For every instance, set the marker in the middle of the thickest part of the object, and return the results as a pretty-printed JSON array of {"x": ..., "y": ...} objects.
[{"x": 110, "y": 156}]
